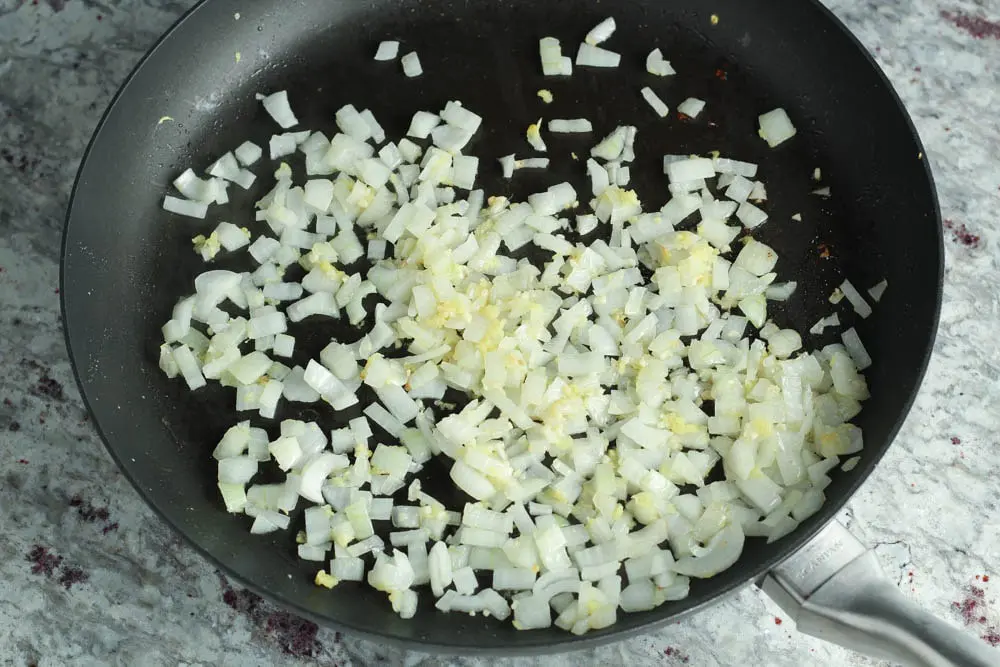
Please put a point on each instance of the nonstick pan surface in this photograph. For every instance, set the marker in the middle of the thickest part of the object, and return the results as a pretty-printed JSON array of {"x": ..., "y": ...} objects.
[{"x": 126, "y": 262}]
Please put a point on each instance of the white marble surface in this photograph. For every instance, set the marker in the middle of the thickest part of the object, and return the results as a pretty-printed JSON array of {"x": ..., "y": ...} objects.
[{"x": 150, "y": 600}]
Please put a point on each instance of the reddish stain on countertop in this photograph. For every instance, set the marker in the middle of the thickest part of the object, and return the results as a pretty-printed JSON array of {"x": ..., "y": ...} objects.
[
  {"x": 71, "y": 574},
  {"x": 42, "y": 561},
  {"x": 975, "y": 611},
  {"x": 90, "y": 513},
  {"x": 56, "y": 5},
  {"x": 971, "y": 605},
  {"x": 962, "y": 234},
  {"x": 295, "y": 636},
  {"x": 977, "y": 26},
  {"x": 47, "y": 563},
  {"x": 676, "y": 654}
]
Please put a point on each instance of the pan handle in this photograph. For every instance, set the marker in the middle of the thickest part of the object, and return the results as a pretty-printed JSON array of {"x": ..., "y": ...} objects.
[{"x": 835, "y": 590}]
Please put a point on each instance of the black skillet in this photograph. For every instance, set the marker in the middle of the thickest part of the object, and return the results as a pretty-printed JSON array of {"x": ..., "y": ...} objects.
[{"x": 125, "y": 261}]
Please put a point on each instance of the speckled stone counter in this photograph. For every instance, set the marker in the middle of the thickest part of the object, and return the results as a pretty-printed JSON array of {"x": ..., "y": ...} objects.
[{"x": 89, "y": 576}]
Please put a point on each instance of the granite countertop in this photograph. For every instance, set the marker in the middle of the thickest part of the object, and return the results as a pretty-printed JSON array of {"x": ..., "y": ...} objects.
[{"x": 90, "y": 576}]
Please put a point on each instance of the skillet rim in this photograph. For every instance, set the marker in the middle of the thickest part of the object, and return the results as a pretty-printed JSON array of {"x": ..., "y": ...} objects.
[{"x": 790, "y": 544}]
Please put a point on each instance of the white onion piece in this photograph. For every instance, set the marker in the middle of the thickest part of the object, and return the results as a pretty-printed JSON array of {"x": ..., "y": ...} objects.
[
  {"x": 856, "y": 349},
  {"x": 570, "y": 125},
  {"x": 857, "y": 301},
  {"x": 601, "y": 32},
  {"x": 750, "y": 215},
  {"x": 248, "y": 153},
  {"x": 532, "y": 163},
  {"x": 387, "y": 50},
  {"x": 507, "y": 165},
  {"x": 534, "y": 136},
  {"x": 829, "y": 321},
  {"x": 658, "y": 105},
  {"x": 553, "y": 61},
  {"x": 595, "y": 56},
  {"x": 276, "y": 104},
  {"x": 191, "y": 209},
  {"x": 776, "y": 127},
  {"x": 691, "y": 107},
  {"x": 411, "y": 64},
  {"x": 878, "y": 290},
  {"x": 728, "y": 166},
  {"x": 655, "y": 64}
]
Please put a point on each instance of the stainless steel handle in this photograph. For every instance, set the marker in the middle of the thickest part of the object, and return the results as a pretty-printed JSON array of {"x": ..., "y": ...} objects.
[{"x": 834, "y": 589}]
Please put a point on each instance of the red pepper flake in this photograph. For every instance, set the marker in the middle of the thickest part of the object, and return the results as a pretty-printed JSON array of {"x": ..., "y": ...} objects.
[
  {"x": 986, "y": 577},
  {"x": 683, "y": 117},
  {"x": 992, "y": 638},
  {"x": 955, "y": 440},
  {"x": 918, "y": 69},
  {"x": 721, "y": 74},
  {"x": 962, "y": 234},
  {"x": 824, "y": 251},
  {"x": 777, "y": 621},
  {"x": 25, "y": 461},
  {"x": 977, "y": 26},
  {"x": 57, "y": 290},
  {"x": 9, "y": 403}
]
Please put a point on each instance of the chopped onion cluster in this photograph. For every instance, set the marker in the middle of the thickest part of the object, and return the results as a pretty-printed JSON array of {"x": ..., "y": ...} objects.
[{"x": 626, "y": 429}]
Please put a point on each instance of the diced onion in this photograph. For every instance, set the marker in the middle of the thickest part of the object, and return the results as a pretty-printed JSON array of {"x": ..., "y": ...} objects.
[
  {"x": 776, "y": 127},
  {"x": 570, "y": 125},
  {"x": 411, "y": 64},
  {"x": 601, "y": 32},
  {"x": 655, "y": 64},
  {"x": 387, "y": 50},
  {"x": 280, "y": 110},
  {"x": 857, "y": 301},
  {"x": 594, "y": 56},
  {"x": 587, "y": 376},
  {"x": 654, "y": 101},
  {"x": 691, "y": 107}
]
